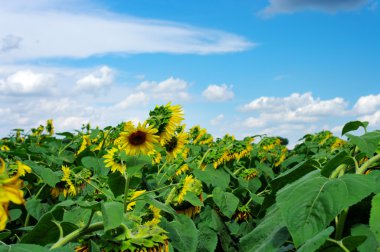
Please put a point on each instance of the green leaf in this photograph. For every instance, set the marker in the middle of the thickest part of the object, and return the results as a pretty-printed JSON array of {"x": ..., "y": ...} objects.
[
  {"x": 193, "y": 199},
  {"x": 35, "y": 208},
  {"x": 374, "y": 220},
  {"x": 227, "y": 202},
  {"x": 317, "y": 241},
  {"x": 309, "y": 205},
  {"x": 268, "y": 235},
  {"x": 39, "y": 235},
  {"x": 113, "y": 213},
  {"x": 48, "y": 176},
  {"x": 159, "y": 204},
  {"x": 352, "y": 242},
  {"x": 77, "y": 215},
  {"x": 14, "y": 214},
  {"x": 340, "y": 158},
  {"x": 23, "y": 248},
  {"x": 182, "y": 233},
  {"x": 95, "y": 164},
  {"x": 265, "y": 169},
  {"x": 4, "y": 234},
  {"x": 370, "y": 244},
  {"x": 211, "y": 176},
  {"x": 353, "y": 125},
  {"x": 208, "y": 240},
  {"x": 367, "y": 143}
]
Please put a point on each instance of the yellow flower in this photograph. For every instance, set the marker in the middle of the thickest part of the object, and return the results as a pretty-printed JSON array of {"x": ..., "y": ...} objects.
[
  {"x": 189, "y": 180},
  {"x": 175, "y": 145},
  {"x": 139, "y": 140},
  {"x": 156, "y": 156},
  {"x": 66, "y": 178},
  {"x": 23, "y": 168},
  {"x": 85, "y": 143},
  {"x": 182, "y": 169},
  {"x": 134, "y": 196},
  {"x": 9, "y": 191},
  {"x": 112, "y": 159},
  {"x": 337, "y": 144},
  {"x": 4, "y": 148},
  {"x": 156, "y": 212},
  {"x": 3, "y": 215},
  {"x": 50, "y": 127}
]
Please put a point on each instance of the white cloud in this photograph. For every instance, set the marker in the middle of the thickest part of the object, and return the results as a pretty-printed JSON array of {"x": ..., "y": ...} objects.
[
  {"x": 27, "y": 82},
  {"x": 59, "y": 32},
  {"x": 217, "y": 120},
  {"x": 252, "y": 122},
  {"x": 298, "y": 105},
  {"x": 133, "y": 100},
  {"x": 96, "y": 80},
  {"x": 218, "y": 93},
  {"x": 373, "y": 119},
  {"x": 169, "y": 90},
  {"x": 367, "y": 104},
  {"x": 330, "y": 6}
]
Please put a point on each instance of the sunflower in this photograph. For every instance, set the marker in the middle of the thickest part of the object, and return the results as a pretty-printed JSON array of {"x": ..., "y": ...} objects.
[
  {"x": 23, "y": 168},
  {"x": 50, "y": 127},
  {"x": 139, "y": 140},
  {"x": 66, "y": 178},
  {"x": 85, "y": 143},
  {"x": 9, "y": 191},
  {"x": 112, "y": 159},
  {"x": 175, "y": 145},
  {"x": 134, "y": 195},
  {"x": 166, "y": 119}
]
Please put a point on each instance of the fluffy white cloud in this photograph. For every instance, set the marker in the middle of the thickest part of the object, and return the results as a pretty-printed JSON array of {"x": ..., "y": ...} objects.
[
  {"x": 373, "y": 119},
  {"x": 27, "y": 82},
  {"x": 298, "y": 105},
  {"x": 133, "y": 100},
  {"x": 331, "y": 6},
  {"x": 217, "y": 120},
  {"x": 169, "y": 90},
  {"x": 367, "y": 104},
  {"x": 96, "y": 80},
  {"x": 45, "y": 29},
  {"x": 218, "y": 93}
]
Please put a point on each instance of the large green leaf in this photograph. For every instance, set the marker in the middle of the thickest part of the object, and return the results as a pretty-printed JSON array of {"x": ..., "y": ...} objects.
[
  {"x": 370, "y": 244},
  {"x": 227, "y": 202},
  {"x": 268, "y": 236},
  {"x": 46, "y": 231},
  {"x": 208, "y": 239},
  {"x": 211, "y": 176},
  {"x": 112, "y": 212},
  {"x": 95, "y": 164},
  {"x": 317, "y": 241},
  {"x": 374, "y": 220},
  {"x": 367, "y": 143},
  {"x": 35, "y": 208},
  {"x": 182, "y": 233},
  {"x": 49, "y": 177},
  {"x": 309, "y": 205},
  {"x": 353, "y": 125}
]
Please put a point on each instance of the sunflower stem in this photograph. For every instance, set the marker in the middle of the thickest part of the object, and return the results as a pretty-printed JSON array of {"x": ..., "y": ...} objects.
[{"x": 126, "y": 190}]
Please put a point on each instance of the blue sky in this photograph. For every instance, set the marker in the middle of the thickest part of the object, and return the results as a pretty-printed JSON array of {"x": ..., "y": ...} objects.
[{"x": 276, "y": 67}]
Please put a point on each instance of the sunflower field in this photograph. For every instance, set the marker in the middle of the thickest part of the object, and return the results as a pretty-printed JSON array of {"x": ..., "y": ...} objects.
[{"x": 155, "y": 186}]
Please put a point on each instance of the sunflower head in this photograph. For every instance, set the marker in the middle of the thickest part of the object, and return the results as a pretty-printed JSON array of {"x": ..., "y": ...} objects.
[
  {"x": 50, "y": 127},
  {"x": 138, "y": 140},
  {"x": 112, "y": 159},
  {"x": 165, "y": 119},
  {"x": 175, "y": 145}
]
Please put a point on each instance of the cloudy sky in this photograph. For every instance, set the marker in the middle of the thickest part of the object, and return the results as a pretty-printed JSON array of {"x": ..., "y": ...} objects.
[{"x": 244, "y": 67}]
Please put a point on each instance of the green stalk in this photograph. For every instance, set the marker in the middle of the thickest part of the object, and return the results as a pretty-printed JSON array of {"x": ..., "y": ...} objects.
[
  {"x": 340, "y": 224},
  {"x": 340, "y": 244},
  {"x": 338, "y": 171},
  {"x": 368, "y": 164},
  {"x": 78, "y": 233},
  {"x": 126, "y": 190}
]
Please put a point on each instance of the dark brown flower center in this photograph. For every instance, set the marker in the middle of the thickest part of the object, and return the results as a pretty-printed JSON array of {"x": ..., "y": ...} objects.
[
  {"x": 171, "y": 145},
  {"x": 137, "y": 138}
]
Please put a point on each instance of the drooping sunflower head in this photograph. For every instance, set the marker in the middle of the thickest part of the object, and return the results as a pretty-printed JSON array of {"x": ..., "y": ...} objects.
[
  {"x": 112, "y": 160},
  {"x": 165, "y": 119},
  {"x": 175, "y": 145},
  {"x": 138, "y": 140},
  {"x": 50, "y": 127}
]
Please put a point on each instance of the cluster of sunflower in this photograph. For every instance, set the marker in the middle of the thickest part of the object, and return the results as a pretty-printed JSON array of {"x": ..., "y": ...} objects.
[{"x": 272, "y": 150}]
